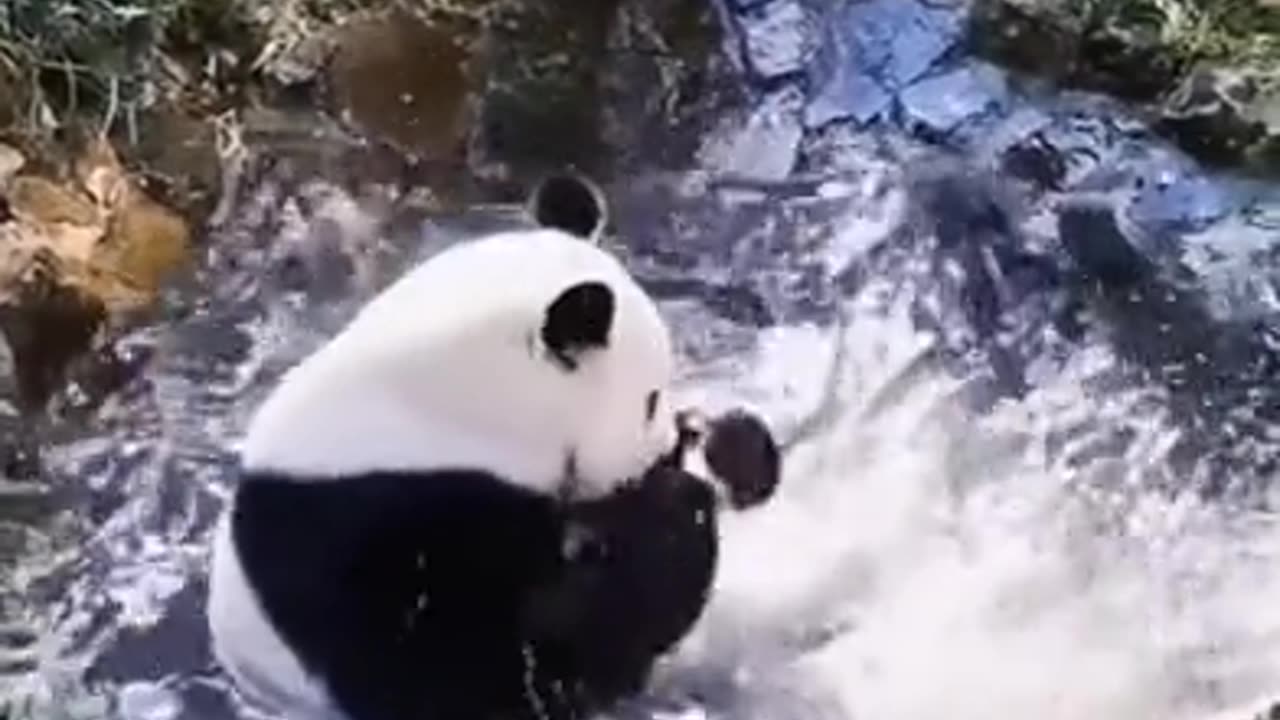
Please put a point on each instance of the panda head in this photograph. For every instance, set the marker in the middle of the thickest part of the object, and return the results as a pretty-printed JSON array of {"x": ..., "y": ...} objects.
[{"x": 532, "y": 354}]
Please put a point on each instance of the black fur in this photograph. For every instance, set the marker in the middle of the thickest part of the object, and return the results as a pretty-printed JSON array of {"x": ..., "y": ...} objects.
[
  {"x": 568, "y": 203},
  {"x": 341, "y": 567},
  {"x": 636, "y": 582},
  {"x": 578, "y": 319},
  {"x": 743, "y": 455}
]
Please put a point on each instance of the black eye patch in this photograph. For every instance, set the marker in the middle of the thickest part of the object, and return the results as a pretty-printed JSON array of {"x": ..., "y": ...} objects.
[{"x": 650, "y": 405}]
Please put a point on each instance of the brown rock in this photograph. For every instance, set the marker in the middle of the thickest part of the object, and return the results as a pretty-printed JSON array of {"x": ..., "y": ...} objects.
[
  {"x": 1038, "y": 36},
  {"x": 11, "y": 161},
  {"x": 181, "y": 149},
  {"x": 143, "y": 242},
  {"x": 48, "y": 320},
  {"x": 404, "y": 82},
  {"x": 144, "y": 245},
  {"x": 74, "y": 254},
  {"x": 43, "y": 201}
]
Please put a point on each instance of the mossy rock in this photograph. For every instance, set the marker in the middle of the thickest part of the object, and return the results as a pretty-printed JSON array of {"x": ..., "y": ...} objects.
[
  {"x": 1205, "y": 69},
  {"x": 1087, "y": 44},
  {"x": 403, "y": 81}
]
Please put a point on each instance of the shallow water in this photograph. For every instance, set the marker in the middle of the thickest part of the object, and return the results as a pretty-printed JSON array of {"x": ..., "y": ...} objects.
[
  {"x": 928, "y": 553},
  {"x": 1002, "y": 499}
]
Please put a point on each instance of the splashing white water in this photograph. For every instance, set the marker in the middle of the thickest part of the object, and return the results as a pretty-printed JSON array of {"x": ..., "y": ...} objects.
[{"x": 920, "y": 563}]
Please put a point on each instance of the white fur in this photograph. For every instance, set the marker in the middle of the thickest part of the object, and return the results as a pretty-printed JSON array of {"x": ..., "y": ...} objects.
[
  {"x": 247, "y": 645},
  {"x": 440, "y": 371}
]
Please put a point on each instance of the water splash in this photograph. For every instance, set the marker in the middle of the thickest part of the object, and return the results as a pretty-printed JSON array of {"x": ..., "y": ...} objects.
[
  {"x": 1028, "y": 555},
  {"x": 922, "y": 561}
]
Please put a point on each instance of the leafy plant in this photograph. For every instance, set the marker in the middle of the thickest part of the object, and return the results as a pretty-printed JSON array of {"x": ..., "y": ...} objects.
[
  {"x": 98, "y": 57},
  {"x": 1235, "y": 30}
]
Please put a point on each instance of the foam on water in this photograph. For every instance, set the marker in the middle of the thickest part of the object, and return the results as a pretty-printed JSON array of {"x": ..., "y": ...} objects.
[{"x": 922, "y": 563}]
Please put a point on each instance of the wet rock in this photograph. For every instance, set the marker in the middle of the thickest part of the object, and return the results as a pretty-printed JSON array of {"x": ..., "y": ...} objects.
[
  {"x": 1210, "y": 114},
  {"x": 599, "y": 86},
  {"x": 1037, "y": 36},
  {"x": 77, "y": 253},
  {"x": 848, "y": 94},
  {"x": 1179, "y": 203},
  {"x": 541, "y": 107},
  {"x": 1217, "y": 374},
  {"x": 778, "y": 37},
  {"x": 180, "y": 150},
  {"x": 1118, "y": 48},
  {"x": 764, "y": 147},
  {"x": 48, "y": 321},
  {"x": 874, "y": 49},
  {"x": 1223, "y": 109},
  {"x": 404, "y": 82},
  {"x": 11, "y": 161},
  {"x": 1102, "y": 253},
  {"x": 1130, "y": 60},
  {"x": 898, "y": 43},
  {"x": 657, "y": 105},
  {"x": 939, "y": 104}
]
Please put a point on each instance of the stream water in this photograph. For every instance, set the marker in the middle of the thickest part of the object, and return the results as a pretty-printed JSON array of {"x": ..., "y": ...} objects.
[{"x": 1031, "y": 427}]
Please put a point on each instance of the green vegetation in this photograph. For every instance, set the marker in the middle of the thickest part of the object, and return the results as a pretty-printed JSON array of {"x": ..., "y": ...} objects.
[
  {"x": 1232, "y": 31},
  {"x": 106, "y": 59}
]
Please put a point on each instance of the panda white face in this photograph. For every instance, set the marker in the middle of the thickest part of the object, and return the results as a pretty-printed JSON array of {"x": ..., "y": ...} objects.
[{"x": 531, "y": 354}]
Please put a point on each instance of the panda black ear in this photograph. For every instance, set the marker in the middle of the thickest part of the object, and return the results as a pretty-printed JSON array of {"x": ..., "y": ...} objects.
[
  {"x": 571, "y": 203},
  {"x": 577, "y": 320}
]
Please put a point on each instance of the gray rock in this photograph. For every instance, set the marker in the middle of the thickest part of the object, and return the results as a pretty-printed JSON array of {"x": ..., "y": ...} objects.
[
  {"x": 1210, "y": 114},
  {"x": 1015, "y": 127},
  {"x": 849, "y": 95},
  {"x": 872, "y": 50},
  {"x": 1179, "y": 203},
  {"x": 764, "y": 147},
  {"x": 779, "y": 38},
  {"x": 941, "y": 103},
  {"x": 899, "y": 41}
]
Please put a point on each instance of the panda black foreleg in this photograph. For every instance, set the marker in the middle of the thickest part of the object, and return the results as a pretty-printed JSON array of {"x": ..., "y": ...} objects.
[{"x": 633, "y": 584}]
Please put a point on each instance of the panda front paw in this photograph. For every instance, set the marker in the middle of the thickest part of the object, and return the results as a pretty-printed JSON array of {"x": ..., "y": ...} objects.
[
  {"x": 743, "y": 456},
  {"x": 739, "y": 455}
]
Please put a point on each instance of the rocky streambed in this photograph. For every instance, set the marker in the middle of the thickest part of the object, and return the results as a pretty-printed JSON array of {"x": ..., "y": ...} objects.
[{"x": 1022, "y": 345}]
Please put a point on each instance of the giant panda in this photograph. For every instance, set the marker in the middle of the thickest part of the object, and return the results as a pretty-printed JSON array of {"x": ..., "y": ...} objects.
[{"x": 476, "y": 501}]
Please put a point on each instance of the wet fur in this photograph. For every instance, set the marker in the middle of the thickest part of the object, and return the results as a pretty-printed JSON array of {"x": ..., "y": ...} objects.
[{"x": 462, "y": 596}]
